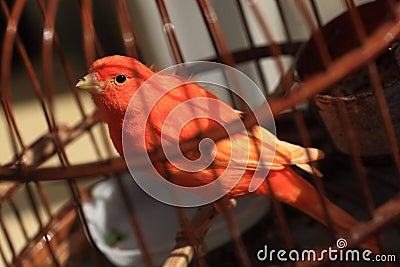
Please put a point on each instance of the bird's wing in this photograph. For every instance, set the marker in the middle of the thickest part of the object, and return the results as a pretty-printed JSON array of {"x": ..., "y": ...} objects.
[
  {"x": 287, "y": 153},
  {"x": 256, "y": 148},
  {"x": 261, "y": 149}
]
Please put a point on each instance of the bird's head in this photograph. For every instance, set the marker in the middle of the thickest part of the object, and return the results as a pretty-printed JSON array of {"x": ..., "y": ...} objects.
[{"x": 114, "y": 79}]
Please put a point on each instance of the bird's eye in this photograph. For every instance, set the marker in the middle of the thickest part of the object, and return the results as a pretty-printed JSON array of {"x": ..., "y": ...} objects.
[{"x": 121, "y": 78}]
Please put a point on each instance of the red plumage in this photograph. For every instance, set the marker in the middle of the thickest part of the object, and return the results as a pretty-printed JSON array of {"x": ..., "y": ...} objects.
[{"x": 112, "y": 99}]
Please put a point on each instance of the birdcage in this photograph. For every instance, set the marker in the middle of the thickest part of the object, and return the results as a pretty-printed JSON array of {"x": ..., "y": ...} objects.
[{"x": 328, "y": 69}]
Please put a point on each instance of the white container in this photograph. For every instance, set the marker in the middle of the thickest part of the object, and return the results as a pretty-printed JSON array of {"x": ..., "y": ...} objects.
[{"x": 159, "y": 222}]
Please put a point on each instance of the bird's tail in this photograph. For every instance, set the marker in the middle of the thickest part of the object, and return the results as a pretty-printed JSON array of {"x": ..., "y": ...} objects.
[{"x": 290, "y": 188}]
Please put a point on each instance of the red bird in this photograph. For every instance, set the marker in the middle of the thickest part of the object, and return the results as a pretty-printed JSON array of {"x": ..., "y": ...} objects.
[{"x": 112, "y": 82}]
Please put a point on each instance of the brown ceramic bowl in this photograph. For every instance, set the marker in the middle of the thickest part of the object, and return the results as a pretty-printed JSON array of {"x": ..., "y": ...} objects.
[{"x": 355, "y": 91}]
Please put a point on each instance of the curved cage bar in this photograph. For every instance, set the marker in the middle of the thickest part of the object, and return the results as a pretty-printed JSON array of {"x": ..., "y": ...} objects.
[{"x": 329, "y": 72}]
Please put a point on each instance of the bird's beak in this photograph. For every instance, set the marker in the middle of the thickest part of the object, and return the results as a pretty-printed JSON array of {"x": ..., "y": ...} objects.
[{"x": 89, "y": 83}]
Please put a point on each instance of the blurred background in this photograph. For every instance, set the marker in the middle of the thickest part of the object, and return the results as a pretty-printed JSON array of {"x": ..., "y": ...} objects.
[{"x": 49, "y": 210}]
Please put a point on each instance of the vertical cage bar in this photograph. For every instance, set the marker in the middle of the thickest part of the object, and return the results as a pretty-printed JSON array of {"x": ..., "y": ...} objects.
[
  {"x": 178, "y": 58},
  {"x": 298, "y": 117},
  {"x": 223, "y": 50},
  {"x": 252, "y": 45},
  {"x": 47, "y": 61},
  {"x": 343, "y": 114},
  {"x": 5, "y": 89},
  {"x": 377, "y": 85},
  {"x": 88, "y": 32},
  {"x": 3, "y": 257},
  {"x": 7, "y": 237},
  {"x": 127, "y": 31},
  {"x": 92, "y": 48},
  {"x": 41, "y": 225},
  {"x": 316, "y": 14},
  {"x": 135, "y": 223},
  {"x": 68, "y": 74},
  {"x": 215, "y": 30},
  {"x": 170, "y": 32},
  {"x": 211, "y": 19},
  {"x": 276, "y": 52},
  {"x": 19, "y": 219}
]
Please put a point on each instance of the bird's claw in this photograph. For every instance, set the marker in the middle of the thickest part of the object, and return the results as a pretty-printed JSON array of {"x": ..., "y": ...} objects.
[
  {"x": 198, "y": 235},
  {"x": 200, "y": 231},
  {"x": 232, "y": 203}
]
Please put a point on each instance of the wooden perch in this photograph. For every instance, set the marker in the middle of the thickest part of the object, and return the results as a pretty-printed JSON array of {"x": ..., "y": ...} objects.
[{"x": 183, "y": 252}]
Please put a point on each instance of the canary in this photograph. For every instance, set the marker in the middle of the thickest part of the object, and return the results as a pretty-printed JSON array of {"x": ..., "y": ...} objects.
[{"x": 113, "y": 81}]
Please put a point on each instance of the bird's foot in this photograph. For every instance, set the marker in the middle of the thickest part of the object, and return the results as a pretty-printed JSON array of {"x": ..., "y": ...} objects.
[{"x": 232, "y": 203}]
